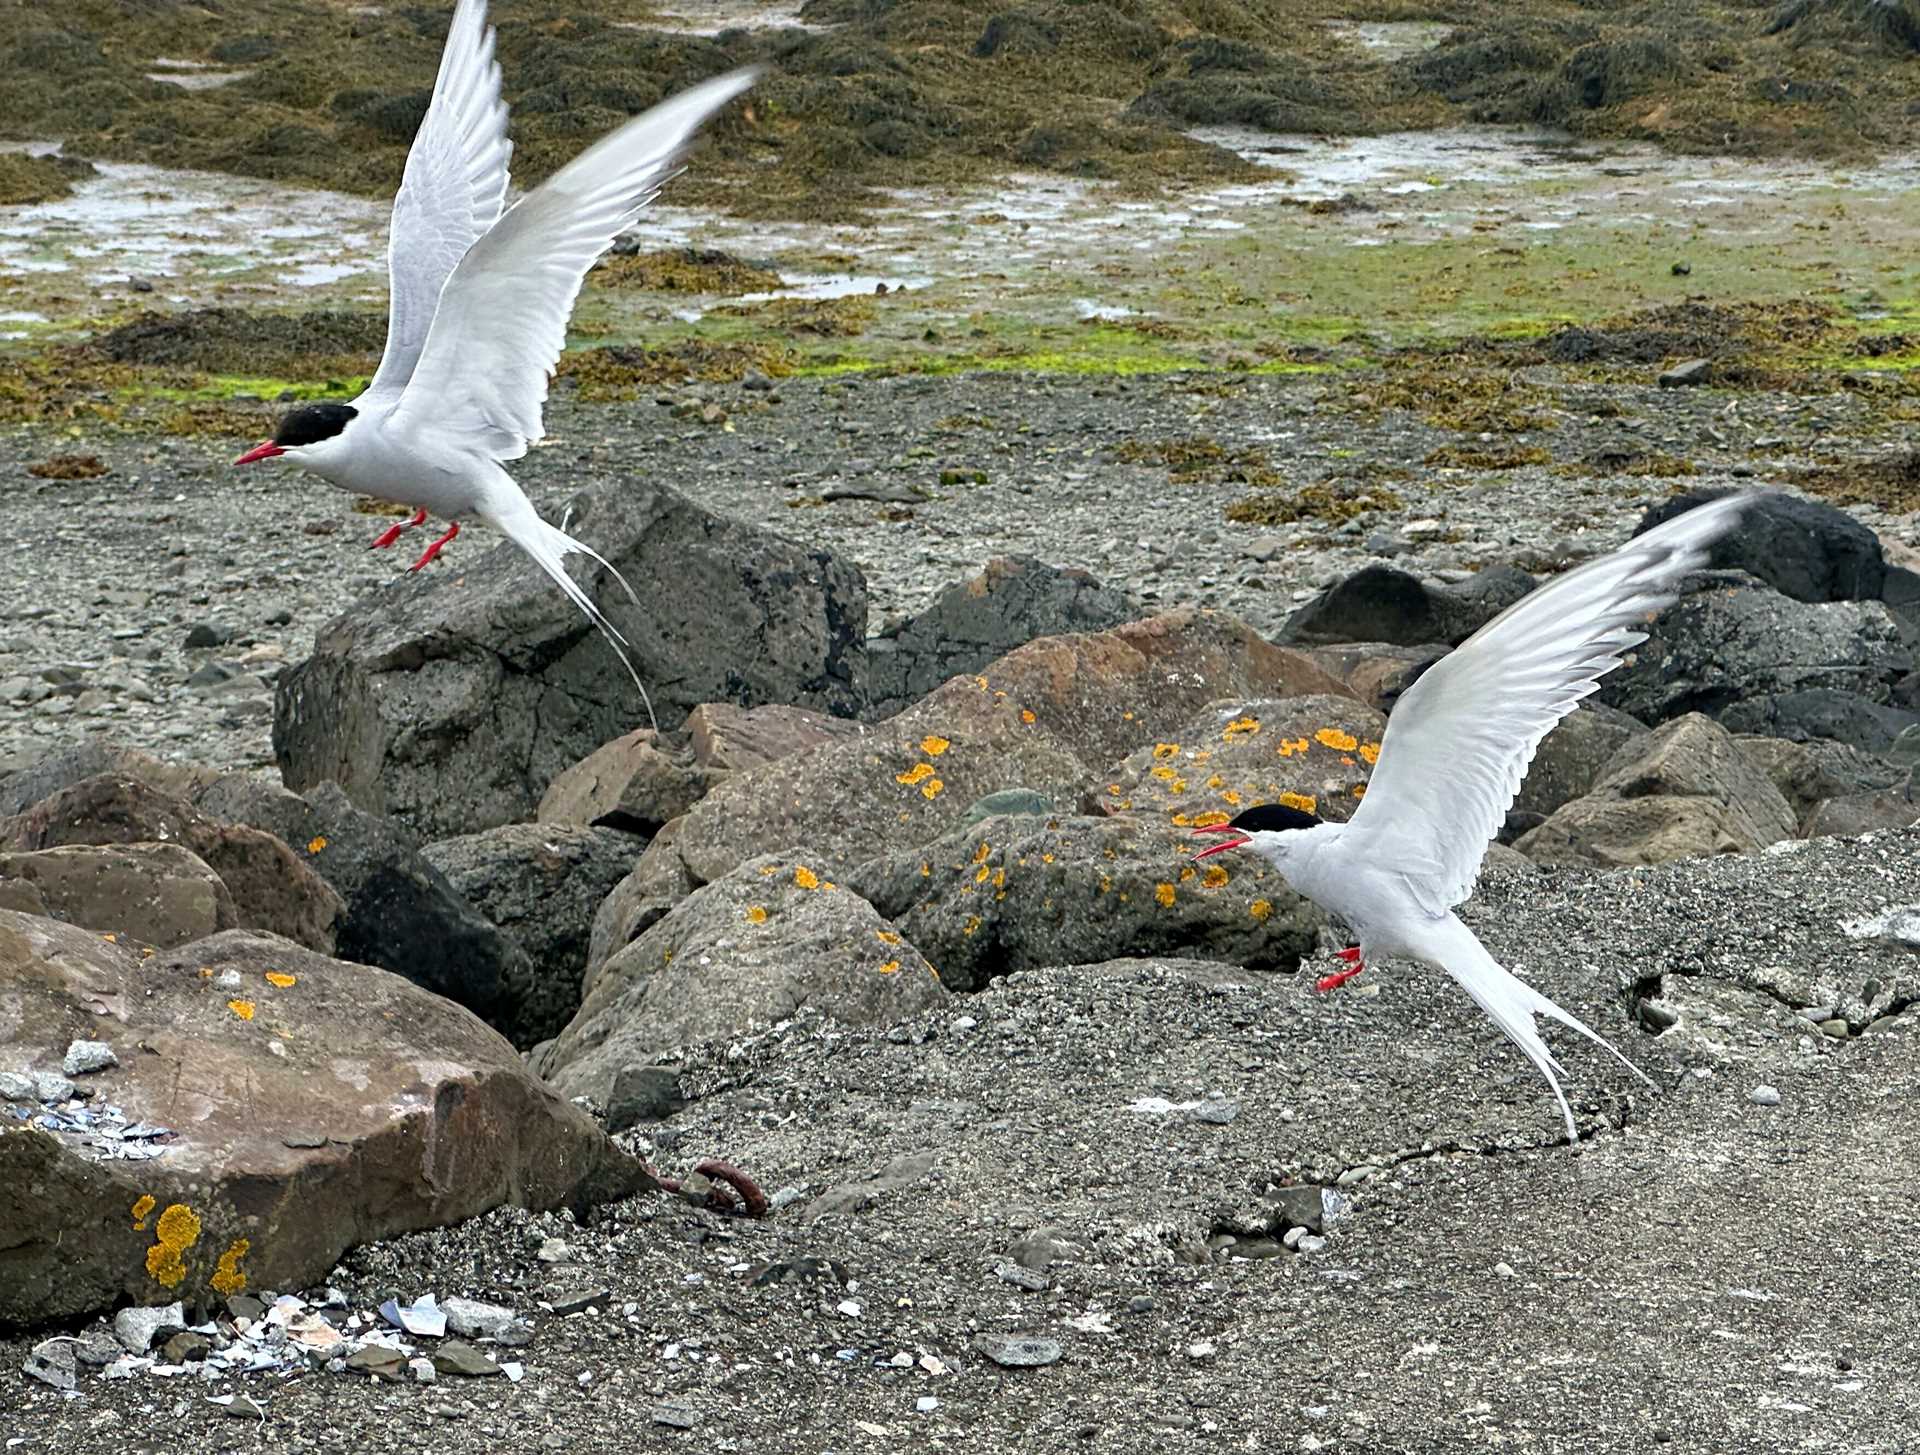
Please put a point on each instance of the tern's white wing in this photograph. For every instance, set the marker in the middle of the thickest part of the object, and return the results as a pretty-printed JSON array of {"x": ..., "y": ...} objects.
[
  {"x": 1459, "y": 741},
  {"x": 452, "y": 192},
  {"x": 502, "y": 318}
]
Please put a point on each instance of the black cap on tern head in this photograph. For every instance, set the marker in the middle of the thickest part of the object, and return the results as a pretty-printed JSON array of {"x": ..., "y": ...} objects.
[
  {"x": 311, "y": 423},
  {"x": 1272, "y": 818}
]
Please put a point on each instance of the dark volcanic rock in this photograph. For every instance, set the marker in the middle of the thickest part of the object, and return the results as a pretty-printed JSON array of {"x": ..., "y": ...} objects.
[
  {"x": 1840, "y": 717},
  {"x": 401, "y": 914},
  {"x": 27, "y": 787},
  {"x": 1385, "y": 604},
  {"x": 1732, "y": 640},
  {"x": 1010, "y": 603},
  {"x": 774, "y": 935},
  {"x": 272, "y": 888},
  {"x": 314, "y": 1104},
  {"x": 540, "y": 885},
  {"x": 1571, "y": 758},
  {"x": 1010, "y": 894},
  {"x": 450, "y": 703},
  {"x": 1805, "y": 549}
]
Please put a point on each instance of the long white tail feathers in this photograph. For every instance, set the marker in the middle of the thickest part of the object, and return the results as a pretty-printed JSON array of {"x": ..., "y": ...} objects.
[
  {"x": 549, "y": 547},
  {"x": 1512, "y": 1004}
]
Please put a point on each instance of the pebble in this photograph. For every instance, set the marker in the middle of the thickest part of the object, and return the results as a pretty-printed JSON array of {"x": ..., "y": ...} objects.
[
  {"x": 135, "y": 1327},
  {"x": 1030, "y": 1279},
  {"x": 458, "y": 1357},
  {"x": 926, "y": 1404},
  {"x": 16, "y": 1087},
  {"x": 1215, "y": 1113},
  {"x": 1356, "y": 1175},
  {"x": 472, "y": 1319},
  {"x": 1764, "y": 1096},
  {"x": 554, "y": 1250},
  {"x": 1202, "y": 1350},
  {"x": 1026, "y": 1351},
  {"x": 674, "y": 1416},
  {"x": 51, "y": 1086},
  {"x": 1503, "y": 1270}
]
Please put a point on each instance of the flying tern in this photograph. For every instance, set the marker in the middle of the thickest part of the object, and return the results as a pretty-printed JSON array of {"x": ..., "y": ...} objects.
[
  {"x": 1456, "y": 748},
  {"x": 481, "y": 294}
]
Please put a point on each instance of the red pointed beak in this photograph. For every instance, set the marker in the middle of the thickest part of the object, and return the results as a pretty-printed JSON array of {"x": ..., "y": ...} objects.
[
  {"x": 1238, "y": 838},
  {"x": 265, "y": 450}
]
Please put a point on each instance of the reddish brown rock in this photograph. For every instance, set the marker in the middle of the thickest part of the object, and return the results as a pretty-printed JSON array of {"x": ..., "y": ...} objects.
[
  {"x": 313, "y": 1104},
  {"x": 272, "y": 889},
  {"x": 149, "y": 894}
]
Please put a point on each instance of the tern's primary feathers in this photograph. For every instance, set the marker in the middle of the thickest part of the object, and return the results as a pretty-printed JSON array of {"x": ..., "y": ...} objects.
[
  {"x": 1455, "y": 751},
  {"x": 480, "y": 302}
]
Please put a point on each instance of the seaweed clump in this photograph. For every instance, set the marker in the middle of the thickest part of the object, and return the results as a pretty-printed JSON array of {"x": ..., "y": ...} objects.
[
  {"x": 321, "y": 343},
  {"x": 26, "y": 179},
  {"x": 1332, "y": 502}
]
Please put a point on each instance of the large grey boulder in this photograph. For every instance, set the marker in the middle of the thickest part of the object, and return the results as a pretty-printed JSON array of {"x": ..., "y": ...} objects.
[
  {"x": 1571, "y": 758},
  {"x": 308, "y": 1105},
  {"x": 47, "y": 776},
  {"x": 1820, "y": 714},
  {"x": 150, "y": 894},
  {"x": 1732, "y": 640},
  {"x": 539, "y": 884},
  {"x": 451, "y": 701},
  {"x": 776, "y": 934},
  {"x": 400, "y": 912},
  {"x": 1010, "y": 894},
  {"x": 1808, "y": 773},
  {"x": 1011, "y": 602},
  {"x": 1684, "y": 791}
]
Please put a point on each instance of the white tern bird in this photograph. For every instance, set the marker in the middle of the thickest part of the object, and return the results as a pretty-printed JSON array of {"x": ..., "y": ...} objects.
[
  {"x": 1456, "y": 748},
  {"x": 481, "y": 294}
]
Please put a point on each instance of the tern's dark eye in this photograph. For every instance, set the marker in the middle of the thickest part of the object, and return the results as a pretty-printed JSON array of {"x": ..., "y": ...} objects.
[
  {"x": 1273, "y": 818},
  {"x": 311, "y": 423}
]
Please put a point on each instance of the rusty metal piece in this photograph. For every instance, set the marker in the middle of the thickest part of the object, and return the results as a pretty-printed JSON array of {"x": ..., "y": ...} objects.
[{"x": 752, "y": 1202}]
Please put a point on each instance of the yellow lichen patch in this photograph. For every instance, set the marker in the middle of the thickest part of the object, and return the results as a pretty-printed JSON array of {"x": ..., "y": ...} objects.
[
  {"x": 1369, "y": 753},
  {"x": 1214, "y": 878},
  {"x": 241, "y": 1008},
  {"x": 1216, "y": 781},
  {"x": 1260, "y": 909},
  {"x": 972, "y": 924},
  {"x": 918, "y": 773},
  {"x": 769, "y": 869},
  {"x": 1180, "y": 820},
  {"x": 1305, "y": 802},
  {"x": 1046, "y": 858},
  {"x": 980, "y": 854},
  {"x": 1231, "y": 797},
  {"x": 142, "y": 1205},
  {"x": 1240, "y": 727},
  {"x": 316, "y": 843},
  {"x": 980, "y": 876},
  {"x": 1289, "y": 746},
  {"x": 177, "y": 1231},
  {"x": 886, "y": 937},
  {"x": 1333, "y": 738},
  {"x": 1187, "y": 872},
  {"x": 890, "y": 967},
  {"x": 1359, "y": 790},
  {"x": 1000, "y": 878},
  {"x": 1211, "y": 819},
  {"x": 227, "y": 1277},
  {"x": 926, "y": 871},
  {"x": 1166, "y": 750},
  {"x": 756, "y": 914},
  {"x": 1164, "y": 773},
  {"x": 930, "y": 790},
  {"x": 805, "y": 877},
  {"x": 1027, "y": 717},
  {"x": 1164, "y": 893},
  {"x": 1179, "y": 785},
  {"x": 280, "y": 980},
  {"x": 206, "y": 972},
  {"x": 111, "y": 939},
  {"x": 933, "y": 745}
]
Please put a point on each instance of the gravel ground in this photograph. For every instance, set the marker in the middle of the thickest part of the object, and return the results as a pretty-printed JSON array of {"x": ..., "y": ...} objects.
[
  {"x": 1705, "y": 1272},
  {"x": 110, "y": 575}
]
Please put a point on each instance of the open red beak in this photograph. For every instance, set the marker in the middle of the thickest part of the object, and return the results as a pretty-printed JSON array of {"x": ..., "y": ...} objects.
[
  {"x": 265, "y": 450},
  {"x": 1238, "y": 838}
]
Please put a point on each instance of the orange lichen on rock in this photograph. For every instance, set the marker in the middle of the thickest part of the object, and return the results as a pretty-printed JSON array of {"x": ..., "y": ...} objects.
[
  {"x": 756, "y": 914},
  {"x": 1164, "y": 893},
  {"x": 805, "y": 877},
  {"x": 176, "y": 1232},
  {"x": 280, "y": 980},
  {"x": 142, "y": 1206},
  {"x": 316, "y": 843},
  {"x": 1260, "y": 909},
  {"x": 1337, "y": 740},
  {"x": 1027, "y": 717},
  {"x": 930, "y": 790},
  {"x": 890, "y": 967},
  {"x": 933, "y": 745},
  {"x": 980, "y": 854},
  {"x": 227, "y": 1277},
  {"x": 1214, "y": 878},
  {"x": 1369, "y": 753},
  {"x": 886, "y": 937},
  {"x": 918, "y": 773},
  {"x": 241, "y": 1008},
  {"x": 972, "y": 924},
  {"x": 1166, "y": 750},
  {"x": 1240, "y": 727},
  {"x": 1305, "y": 802},
  {"x": 1211, "y": 819},
  {"x": 1289, "y": 746}
]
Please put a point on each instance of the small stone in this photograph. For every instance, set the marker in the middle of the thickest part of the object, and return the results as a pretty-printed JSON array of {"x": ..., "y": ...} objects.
[
  {"x": 1682, "y": 375},
  {"x": 1312, "y": 1243},
  {"x": 85, "y": 1056},
  {"x": 1682, "y": 269},
  {"x": 51, "y": 1086},
  {"x": 379, "y": 1361},
  {"x": 243, "y": 1407},
  {"x": 1503, "y": 1270},
  {"x": 1203, "y": 1350},
  {"x": 16, "y": 1087},
  {"x": 1215, "y": 1113},
  {"x": 1028, "y": 1278},
  {"x": 756, "y": 382},
  {"x": 554, "y": 1250},
  {"x": 1140, "y": 1303},
  {"x": 1836, "y": 1027},
  {"x": 51, "y": 1362},
  {"x": 1356, "y": 1175},
  {"x": 135, "y": 1327},
  {"x": 926, "y": 1404},
  {"x": 1296, "y": 1207},
  {"x": 422, "y": 1370},
  {"x": 457, "y": 1357},
  {"x": 1293, "y": 1237},
  {"x": 208, "y": 634},
  {"x": 1764, "y": 1096},
  {"x": 580, "y": 1300},
  {"x": 245, "y": 1306},
  {"x": 848, "y": 1308},
  {"x": 186, "y": 1347},
  {"x": 674, "y": 1416},
  {"x": 1018, "y": 1351}
]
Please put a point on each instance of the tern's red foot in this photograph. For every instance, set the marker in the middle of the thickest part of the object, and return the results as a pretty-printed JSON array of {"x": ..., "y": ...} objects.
[
  {"x": 453, "y": 529},
  {"x": 1340, "y": 977},
  {"x": 392, "y": 533}
]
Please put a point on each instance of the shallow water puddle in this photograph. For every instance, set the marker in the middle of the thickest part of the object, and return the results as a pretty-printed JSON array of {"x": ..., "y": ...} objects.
[{"x": 710, "y": 17}]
